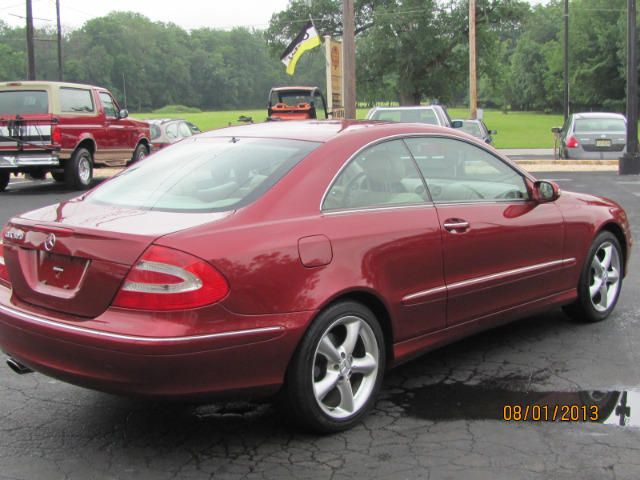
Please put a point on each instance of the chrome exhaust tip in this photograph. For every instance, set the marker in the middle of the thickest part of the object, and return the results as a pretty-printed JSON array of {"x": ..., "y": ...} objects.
[{"x": 18, "y": 367}]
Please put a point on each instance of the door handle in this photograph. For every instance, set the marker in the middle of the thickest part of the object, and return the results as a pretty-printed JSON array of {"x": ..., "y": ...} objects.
[{"x": 456, "y": 225}]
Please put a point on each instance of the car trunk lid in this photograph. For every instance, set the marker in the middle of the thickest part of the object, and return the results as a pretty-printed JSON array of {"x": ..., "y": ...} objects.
[{"x": 77, "y": 266}]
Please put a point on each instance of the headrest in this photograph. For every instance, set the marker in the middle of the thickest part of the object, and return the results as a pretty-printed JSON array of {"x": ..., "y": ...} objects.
[{"x": 381, "y": 167}]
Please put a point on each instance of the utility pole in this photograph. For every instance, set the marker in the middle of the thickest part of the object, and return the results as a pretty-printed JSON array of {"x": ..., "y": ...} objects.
[
  {"x": 566, "y": 59},
  {"x": 31, "y": 67},
  {"x": 59, "y": 41},
  {"x": 473, "y": 87},
  {"x": 349, "y": 59},
  {"x": 629, "y": 163}
]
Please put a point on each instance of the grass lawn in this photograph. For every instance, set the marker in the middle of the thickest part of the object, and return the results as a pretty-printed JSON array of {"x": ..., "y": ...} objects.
[{"x": 515, "y": 129}]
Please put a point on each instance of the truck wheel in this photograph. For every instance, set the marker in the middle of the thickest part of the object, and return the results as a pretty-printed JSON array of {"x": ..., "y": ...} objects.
[
  {"x": 140, "y": 152},
  {"x": 78, "y": 171},
  {"x": 4, "y": 179}
]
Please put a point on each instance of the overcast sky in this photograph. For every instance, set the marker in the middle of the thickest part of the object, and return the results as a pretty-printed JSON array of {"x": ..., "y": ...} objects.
[{"x": 188, "y": 14}]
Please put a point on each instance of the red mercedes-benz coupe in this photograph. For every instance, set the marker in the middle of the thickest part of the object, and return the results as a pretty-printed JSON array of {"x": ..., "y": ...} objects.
[{"x": 305, "y": 257}]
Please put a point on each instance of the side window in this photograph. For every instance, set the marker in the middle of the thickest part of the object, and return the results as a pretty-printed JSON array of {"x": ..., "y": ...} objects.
[
  {"x": 74, "y": 100},
  {"x": 384, "y": 174},
  {"x": 172, "y": 131},
  {"x": 457, "y": 171},
  {"x": 185, "y": 131},
  {"x": 109, "y": 105}
]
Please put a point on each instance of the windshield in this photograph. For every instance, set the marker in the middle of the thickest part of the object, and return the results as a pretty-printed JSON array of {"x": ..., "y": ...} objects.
[
  {"x": 23, "y": 102},
  {"x": 291, "y": 98},
  {"x": 471, "y": 128},
  {"x": 203, "y": 175}
]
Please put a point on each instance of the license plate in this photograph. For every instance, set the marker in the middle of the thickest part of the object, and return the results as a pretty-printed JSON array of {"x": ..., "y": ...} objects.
[
  {"x": 61, "y": 271},
  {"x": 603, "y": 143}
]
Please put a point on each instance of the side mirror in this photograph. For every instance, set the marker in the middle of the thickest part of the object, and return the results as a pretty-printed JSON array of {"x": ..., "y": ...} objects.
[
  {"x": 456, "y": 124},
  {"x": 123, "y": 113},
  {"x": 544, "y": 191},
  {"x": 493, "y": 132},
  {"x": 556, "y": 129}
]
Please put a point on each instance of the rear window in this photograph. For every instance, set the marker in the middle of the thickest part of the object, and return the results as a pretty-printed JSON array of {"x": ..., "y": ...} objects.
[
  {"x": 73, "y": 100},
  {"x": 412, "y": 115},
  {"x": 203, "y": 175},
  {"x": 600, "y": 125},
  {"x": 24, "y": 102}
]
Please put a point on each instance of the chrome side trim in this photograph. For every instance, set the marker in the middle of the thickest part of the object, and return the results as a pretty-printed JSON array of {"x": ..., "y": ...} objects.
[
  {"x": 508, "y": 273},
  {"x": 424, "y": 293},
  {"x": 377, "y": 208},
  {"x": 149, "y": 340}
]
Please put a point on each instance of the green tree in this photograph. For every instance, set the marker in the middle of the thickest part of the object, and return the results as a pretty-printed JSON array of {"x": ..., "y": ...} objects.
[{"x": 421, "y": 46}]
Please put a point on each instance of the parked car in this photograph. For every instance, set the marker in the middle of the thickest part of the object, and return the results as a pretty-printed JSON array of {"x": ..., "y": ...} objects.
[
  {"x": 477, "y": 128},
  {"x": 431, "y": 114},
  {"x": 165, "y": 131},
  {"x": 592, "y": 136},
  {"x": 303, "y": 257},
  {"x": 66, "y": 129}
]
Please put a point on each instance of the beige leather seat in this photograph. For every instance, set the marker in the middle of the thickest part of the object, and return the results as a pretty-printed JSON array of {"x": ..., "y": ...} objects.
[{"x": 382, "y": 184}]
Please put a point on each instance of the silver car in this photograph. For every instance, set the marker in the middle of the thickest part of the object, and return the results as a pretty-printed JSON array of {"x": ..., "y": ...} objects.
[
  {"x": 478, "y": 129},
  {"x": 592, "y": 136},
  {"x": 165, "y": 131}
]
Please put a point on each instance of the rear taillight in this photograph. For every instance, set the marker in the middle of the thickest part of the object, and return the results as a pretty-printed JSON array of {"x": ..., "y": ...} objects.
[
  {"x": 572, "y": 142},
  {"x": 56, "y": 135},
  {"x": 4, "y": 273},
  {"x": 168, "y": 279}
]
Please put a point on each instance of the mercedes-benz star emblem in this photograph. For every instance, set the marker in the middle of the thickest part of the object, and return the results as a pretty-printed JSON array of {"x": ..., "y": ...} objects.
[{"x": 50, "y": 242}]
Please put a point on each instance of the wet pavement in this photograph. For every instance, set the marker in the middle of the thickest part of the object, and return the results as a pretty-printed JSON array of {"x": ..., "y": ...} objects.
[{"x": 516, "y": 402}]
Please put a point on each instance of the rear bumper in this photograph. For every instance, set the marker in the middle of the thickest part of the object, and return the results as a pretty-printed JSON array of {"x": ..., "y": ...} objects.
[
  {"x": 580, "y": 154},
  {"x": 192, "y": 365},
  {"x": 22, "y": 160}
]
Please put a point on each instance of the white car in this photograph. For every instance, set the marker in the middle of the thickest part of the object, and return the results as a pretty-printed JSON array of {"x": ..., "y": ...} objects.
[{"x": 431, "y": 114}]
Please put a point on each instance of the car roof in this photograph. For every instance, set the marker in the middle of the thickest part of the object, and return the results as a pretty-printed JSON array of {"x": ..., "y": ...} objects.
[
  {"x": 599, "y": 115},
  {"x": 45, "y": 83},
  {"x": 407, "y": 107},
  {"x": 325, "y": 130},
  {"x": 293, "y": 87},
  {"x": 162, "y": 120}
]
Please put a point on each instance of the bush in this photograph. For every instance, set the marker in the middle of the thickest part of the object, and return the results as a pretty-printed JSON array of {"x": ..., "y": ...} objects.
[{"x": 170, "y": 109}]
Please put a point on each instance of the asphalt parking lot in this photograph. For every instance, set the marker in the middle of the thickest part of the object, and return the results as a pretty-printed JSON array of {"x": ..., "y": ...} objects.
[{"x": 450, "y": 414}]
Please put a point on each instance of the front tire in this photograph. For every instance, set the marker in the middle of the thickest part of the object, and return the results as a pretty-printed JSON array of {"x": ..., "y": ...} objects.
[
  {"x": 337, "y": 369},
  {"x": 78, "y": 171},
  {"x": 600, "y": 281}
]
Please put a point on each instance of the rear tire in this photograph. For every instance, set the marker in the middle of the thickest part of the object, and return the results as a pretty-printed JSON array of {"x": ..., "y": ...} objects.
[
  {"x": 337, "y": 369},
  {"x": 78, "y": 171},
  {"x": 600, "y": 281}
]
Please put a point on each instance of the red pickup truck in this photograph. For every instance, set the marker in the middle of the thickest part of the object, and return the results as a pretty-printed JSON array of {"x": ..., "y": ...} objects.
[{"x": 66, "y": 129}]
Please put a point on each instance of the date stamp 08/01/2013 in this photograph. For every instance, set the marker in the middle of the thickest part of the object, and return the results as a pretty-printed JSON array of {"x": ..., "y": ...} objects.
[{"x": 554, "y": 413}]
